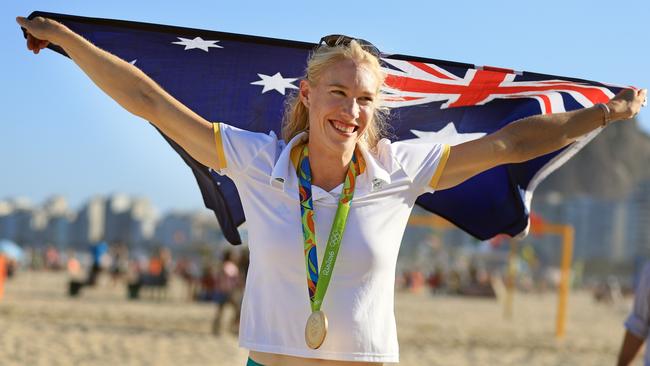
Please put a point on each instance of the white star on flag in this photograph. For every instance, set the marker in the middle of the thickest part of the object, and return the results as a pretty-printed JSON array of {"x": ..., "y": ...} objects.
[
  {"x": 276, "y": 82},
  {"x": 447, "y": 135},
  {"x": 197, "y": 42},
  {"x": 134, "y": 61}
]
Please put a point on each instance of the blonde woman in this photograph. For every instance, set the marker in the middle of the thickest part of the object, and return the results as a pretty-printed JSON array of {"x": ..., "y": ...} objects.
[{"x": 331, "y": 191}]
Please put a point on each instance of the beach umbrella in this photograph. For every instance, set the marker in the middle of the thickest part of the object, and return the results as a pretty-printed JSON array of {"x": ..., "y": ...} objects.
[{"x": 11, "y": 249}]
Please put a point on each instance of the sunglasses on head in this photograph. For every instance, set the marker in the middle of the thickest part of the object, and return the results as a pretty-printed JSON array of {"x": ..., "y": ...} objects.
[{"x": 334, "y": 40}]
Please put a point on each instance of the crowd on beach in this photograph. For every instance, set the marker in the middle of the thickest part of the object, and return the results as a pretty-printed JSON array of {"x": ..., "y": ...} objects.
[
  {"x": 471, "y": 282},
  {"x": 217, "y": 278}
]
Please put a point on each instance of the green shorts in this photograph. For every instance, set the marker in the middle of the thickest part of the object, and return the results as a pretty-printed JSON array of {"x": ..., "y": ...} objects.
[{"x": 252, "y": 363}]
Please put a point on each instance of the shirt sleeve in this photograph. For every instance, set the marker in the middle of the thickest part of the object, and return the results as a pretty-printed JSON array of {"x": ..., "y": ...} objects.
[
  {"x": 237, "y": 149},
  {"x": 422, "y": 162},
  {"x": 638, "y": 320}
]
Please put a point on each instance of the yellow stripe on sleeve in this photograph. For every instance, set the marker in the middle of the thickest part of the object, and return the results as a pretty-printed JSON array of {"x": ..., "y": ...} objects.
[
  {"x": 441, "y": 167},
  {"x": 221, "y": 157}
]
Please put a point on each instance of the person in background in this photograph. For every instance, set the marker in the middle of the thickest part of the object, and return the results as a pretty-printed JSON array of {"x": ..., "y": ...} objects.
[
  {"x": 227, "y": 282},
  {"x": 187, "y": 270},
  {"x": 238, "y": 294},
  {"x": 119, "y": 262},
  {"x": 97, "y": 253},
  {"x": 73, "y": 266},
  {"x": 52, "y": 258},
  {"x": 3, "y": 274},
  {"x": 637, "y": 325}
]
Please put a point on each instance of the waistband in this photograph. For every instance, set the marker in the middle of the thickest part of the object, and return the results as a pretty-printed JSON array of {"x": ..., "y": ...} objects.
[{"x": 252, "y": 363}]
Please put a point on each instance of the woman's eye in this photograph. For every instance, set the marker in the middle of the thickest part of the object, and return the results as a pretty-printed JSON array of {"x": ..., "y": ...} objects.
[{"x": 338, "y": 92}]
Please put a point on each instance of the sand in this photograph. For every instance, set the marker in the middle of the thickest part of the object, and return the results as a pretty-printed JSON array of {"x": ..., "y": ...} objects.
[{"x": 40, "y": 325}]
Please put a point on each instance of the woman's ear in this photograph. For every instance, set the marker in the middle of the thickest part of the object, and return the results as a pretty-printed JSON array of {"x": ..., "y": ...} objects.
[{"x": 304, "y": 93}]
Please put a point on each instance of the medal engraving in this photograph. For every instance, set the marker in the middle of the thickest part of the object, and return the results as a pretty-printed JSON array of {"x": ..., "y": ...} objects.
[{"x": 316, "y": 329}]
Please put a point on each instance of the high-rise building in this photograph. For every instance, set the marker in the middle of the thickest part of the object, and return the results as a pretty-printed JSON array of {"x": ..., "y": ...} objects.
[
  {"x": 174, "y": 229},
  {"x": 16, "y": 223},
  {"x": 6, "y": 209},
  {"x": 58, "y": 229},
  {"x": 89, "y": 225},
  {"x": 117, "y": 218},
  {"x": 143, "y": 219},
  {"x": 182, "y": 229},
  {"x": 129, "y": 220}
]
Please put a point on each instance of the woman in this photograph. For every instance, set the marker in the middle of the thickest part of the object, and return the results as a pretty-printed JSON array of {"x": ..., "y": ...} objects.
[{"x": 332, "y": 162}]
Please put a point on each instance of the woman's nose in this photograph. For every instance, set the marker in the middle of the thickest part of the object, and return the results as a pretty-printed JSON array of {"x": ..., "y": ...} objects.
[{"x": 351, "y": 108}]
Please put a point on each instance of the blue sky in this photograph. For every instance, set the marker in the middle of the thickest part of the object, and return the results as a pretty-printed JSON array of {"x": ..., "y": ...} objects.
[{"x": 60, "y": 134}]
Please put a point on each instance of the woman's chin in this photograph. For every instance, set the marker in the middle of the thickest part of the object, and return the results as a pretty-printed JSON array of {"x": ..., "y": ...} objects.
[{"x": 334, "y": 148}]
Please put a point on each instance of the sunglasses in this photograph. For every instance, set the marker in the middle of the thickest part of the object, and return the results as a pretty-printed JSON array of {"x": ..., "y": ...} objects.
[{"x": 334, "y": 40}]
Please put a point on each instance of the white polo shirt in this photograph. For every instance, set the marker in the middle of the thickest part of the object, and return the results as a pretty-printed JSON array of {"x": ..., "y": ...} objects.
[{"x": 359, "y": 300}]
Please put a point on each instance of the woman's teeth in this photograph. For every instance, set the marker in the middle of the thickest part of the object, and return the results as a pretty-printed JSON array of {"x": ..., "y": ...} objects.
[{"x": 343, "y": 127}]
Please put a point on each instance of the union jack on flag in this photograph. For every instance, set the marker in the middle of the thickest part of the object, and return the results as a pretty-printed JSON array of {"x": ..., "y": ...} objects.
[
  {"x": 412, "y": 83},
  {"x": 243, "y": 81}
]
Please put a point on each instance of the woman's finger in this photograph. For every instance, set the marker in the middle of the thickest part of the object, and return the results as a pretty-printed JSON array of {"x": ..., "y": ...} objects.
[
  {"x": 34, "y": 44},
  {"x": 23, "y": 22},
  {"x": 30, "y": 42}
]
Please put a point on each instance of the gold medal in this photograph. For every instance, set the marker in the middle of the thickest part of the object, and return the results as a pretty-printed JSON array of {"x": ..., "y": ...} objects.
[
  {"x": 317, "y": 282},
  {"x": 316, "y": 329}
]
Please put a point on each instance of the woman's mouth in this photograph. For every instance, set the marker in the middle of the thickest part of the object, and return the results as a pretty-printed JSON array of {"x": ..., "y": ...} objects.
[{"x": 343, "y": 128}]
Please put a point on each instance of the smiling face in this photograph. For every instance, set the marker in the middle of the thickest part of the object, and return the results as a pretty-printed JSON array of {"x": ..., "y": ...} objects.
[{"x": 341, "y": 106}]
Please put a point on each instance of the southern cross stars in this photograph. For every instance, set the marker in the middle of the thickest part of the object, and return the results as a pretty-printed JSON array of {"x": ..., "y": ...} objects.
[
  {"x": 197, "y": 42},
  {"x": 275, "y": 82},
  {"x": 448, "y": 135}
]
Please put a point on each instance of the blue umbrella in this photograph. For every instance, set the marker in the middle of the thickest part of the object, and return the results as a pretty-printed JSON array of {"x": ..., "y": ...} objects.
[{"x": 11, "y": 249}]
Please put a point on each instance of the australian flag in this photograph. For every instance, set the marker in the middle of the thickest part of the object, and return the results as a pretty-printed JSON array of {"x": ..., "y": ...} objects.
[{"x": 243, "y": 81}]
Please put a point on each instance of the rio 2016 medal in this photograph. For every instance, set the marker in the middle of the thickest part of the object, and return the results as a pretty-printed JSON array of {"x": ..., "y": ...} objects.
[{"x": 316, "y": 329}]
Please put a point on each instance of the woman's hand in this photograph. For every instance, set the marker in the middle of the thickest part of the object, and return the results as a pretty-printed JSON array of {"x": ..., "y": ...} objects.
[
  {"x": 40, "y": 31},
  {"x": 627, "y": 103},
  {"x": 533, "y": 136}
]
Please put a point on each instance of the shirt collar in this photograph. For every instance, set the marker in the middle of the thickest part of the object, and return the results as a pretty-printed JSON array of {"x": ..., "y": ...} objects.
[
  {"x": 284, "y": 176},
  {"x": 376, "y": 175}
]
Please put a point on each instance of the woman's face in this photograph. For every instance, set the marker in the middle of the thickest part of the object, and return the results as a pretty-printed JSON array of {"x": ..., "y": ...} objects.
[{"x": 341, "y": 106}]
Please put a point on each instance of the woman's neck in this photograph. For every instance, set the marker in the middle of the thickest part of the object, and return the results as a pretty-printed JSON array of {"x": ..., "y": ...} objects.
[{"x": 328, "y": 168}]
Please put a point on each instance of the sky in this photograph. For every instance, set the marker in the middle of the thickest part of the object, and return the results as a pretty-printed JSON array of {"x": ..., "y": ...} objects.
[{"x": 59, "y": 134}]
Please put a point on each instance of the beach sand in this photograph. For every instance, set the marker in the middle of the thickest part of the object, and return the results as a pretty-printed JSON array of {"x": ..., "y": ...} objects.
[{"x": 40, "y": 325}]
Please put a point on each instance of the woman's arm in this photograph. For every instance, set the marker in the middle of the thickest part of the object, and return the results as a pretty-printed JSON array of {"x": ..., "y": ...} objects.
[
  {"x": 129, "y": 87},
  {"x": 534, "y": 136},
  {"x": 629, "y": 348}
]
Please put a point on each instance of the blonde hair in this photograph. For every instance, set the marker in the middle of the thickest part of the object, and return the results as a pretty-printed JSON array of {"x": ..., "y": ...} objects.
[{"x": 296, "y": 115}]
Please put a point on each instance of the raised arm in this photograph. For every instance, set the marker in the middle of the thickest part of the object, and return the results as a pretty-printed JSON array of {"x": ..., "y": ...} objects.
[
  {"x": 129, "y": 87},
  {"x": 534, "y": 136}
]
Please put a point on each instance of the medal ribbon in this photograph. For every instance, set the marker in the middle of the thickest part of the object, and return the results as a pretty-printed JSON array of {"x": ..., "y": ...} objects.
[{"x": 317, "y": 283}]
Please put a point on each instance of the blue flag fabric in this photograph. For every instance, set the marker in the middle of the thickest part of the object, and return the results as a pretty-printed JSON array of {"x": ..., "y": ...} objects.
[{"x": 243, "y": 81}]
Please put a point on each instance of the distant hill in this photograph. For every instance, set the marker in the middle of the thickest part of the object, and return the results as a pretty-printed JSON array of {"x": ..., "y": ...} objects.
[{"x": 610, "y": 166}]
